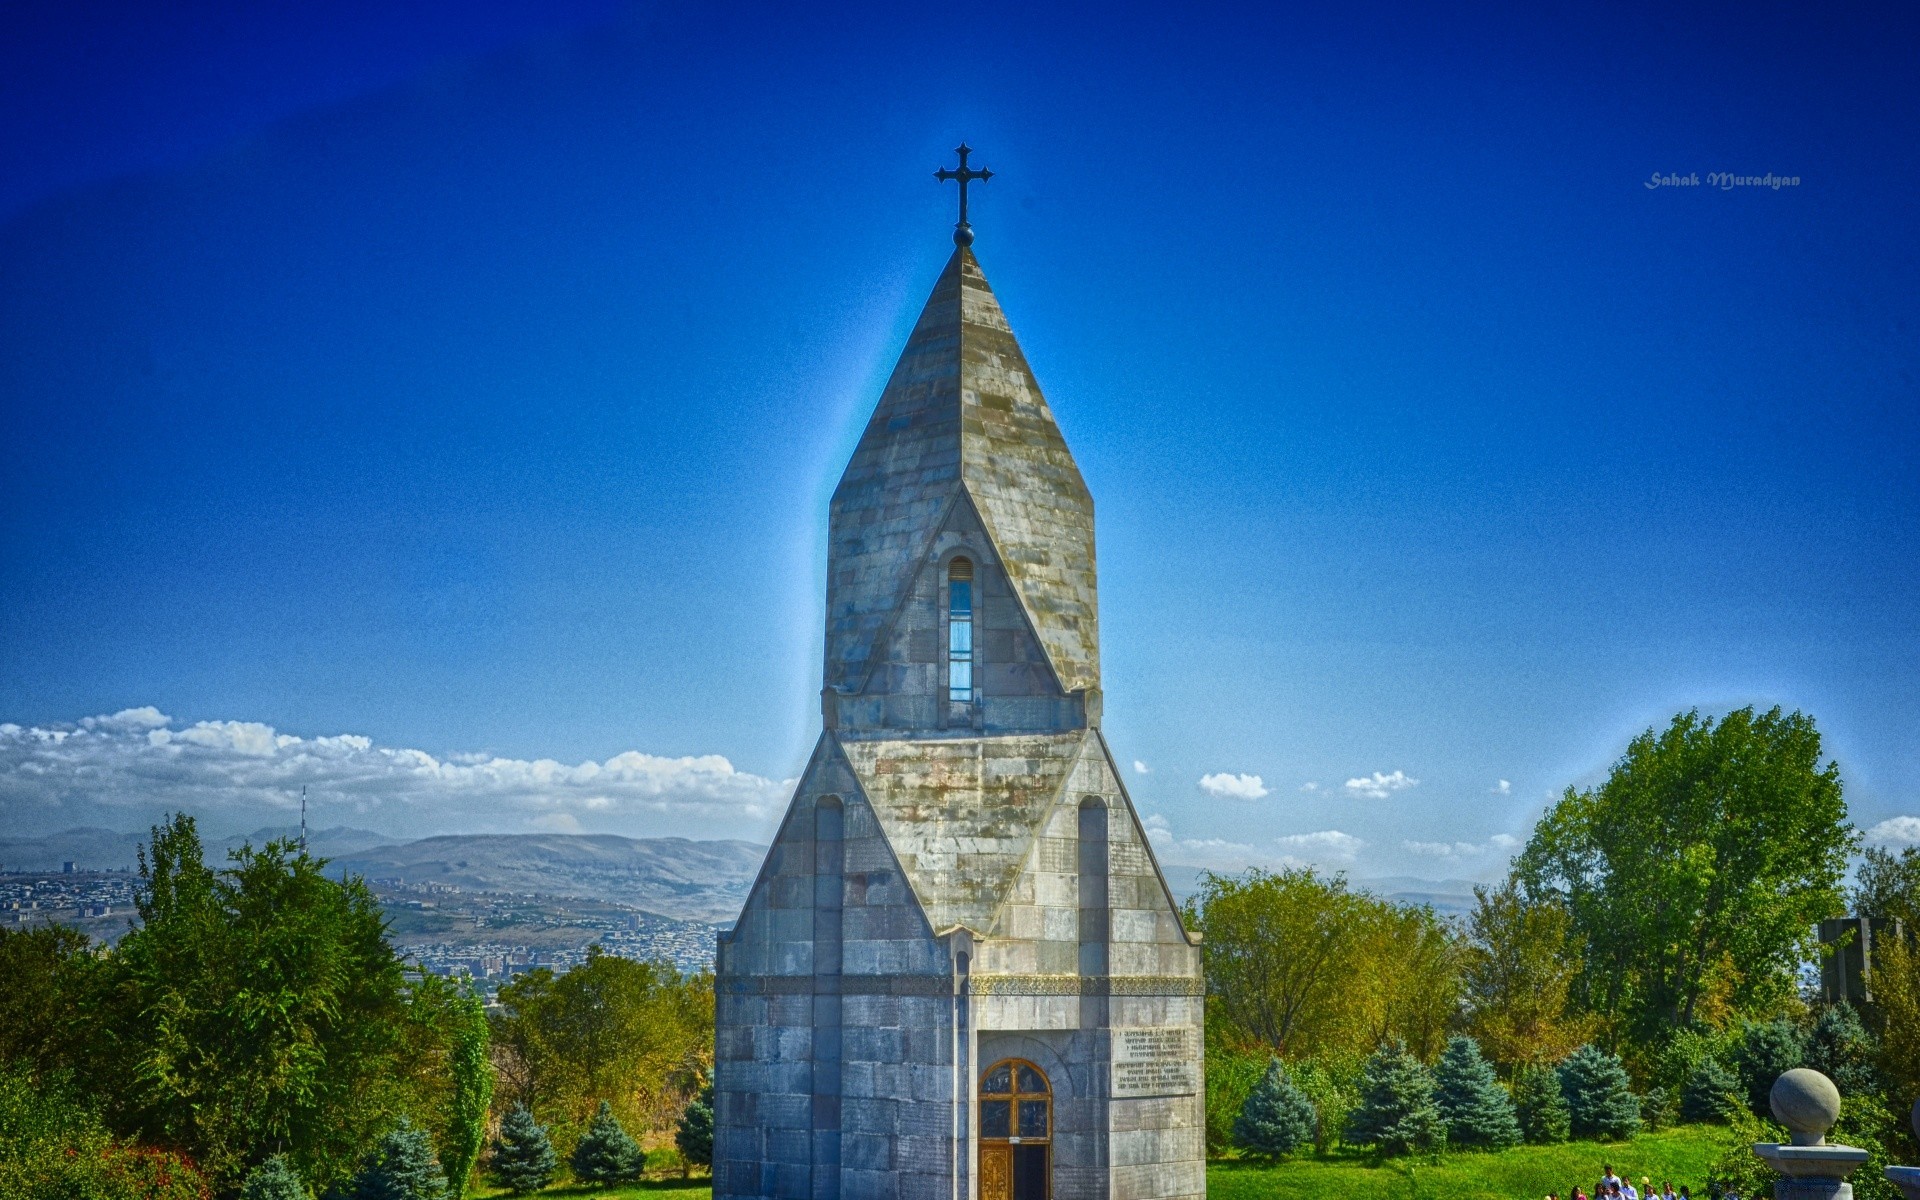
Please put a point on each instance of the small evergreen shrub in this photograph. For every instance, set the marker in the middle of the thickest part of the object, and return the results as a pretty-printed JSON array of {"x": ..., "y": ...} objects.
[
  {"x": 605, "y": 1154},
  {"x": 1477, "y": 1110},
  {"x": 523, "y": 1157},
  {"x": 1712, "y": 1093},
  {"x": 1397, "y": 1113},
  {"x": 401, "y": 1167},
  {"x": 1656, "y": 1108},
  {"x": 1600, "y": 1099},
  {"x": 1540, "y": 1106},
  {"x": 274, "y": 1179},
  {"x": 694, "y": 1137},
  {"x": 1767, "y": 1050},
  {"x": 1277, "y": 1119}
]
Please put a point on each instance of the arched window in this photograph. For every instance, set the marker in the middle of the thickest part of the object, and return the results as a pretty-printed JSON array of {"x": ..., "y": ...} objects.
[
  {"x": 960, "y": 631},
  {"x": 1016, "y": 1132}
]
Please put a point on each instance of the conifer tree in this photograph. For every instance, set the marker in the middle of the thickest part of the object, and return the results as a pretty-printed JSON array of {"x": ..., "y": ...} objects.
[
  {"x": 605, "y": 1154},
  {"x": 1767, "y": 1050},
  {"x": 1600, "y": 1099},
  {"x": 1540, "y": 1106},
  {"x": 694, "y": 1137},
  {"x": 1840, "y": 1048},
  {"x": 1397, "y": 1113},
  {"x": 401, "y": 1167},
  {"x": 1656, "y": 1108},
  {"x": 274, "y": 1179},
  {"x": 523, "y": 1158},
  {"x": 1477, "y": 1110},
  {"x": 1711, "y": 1094},
  {"x": 1277, "y": 1118}
]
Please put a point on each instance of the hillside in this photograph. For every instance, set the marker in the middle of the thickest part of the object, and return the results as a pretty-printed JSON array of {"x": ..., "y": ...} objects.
[{"x": 675, "y": 877}]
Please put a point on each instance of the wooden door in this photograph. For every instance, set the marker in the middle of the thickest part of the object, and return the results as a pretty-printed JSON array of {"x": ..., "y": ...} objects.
[
  {"x": 996, "y": 1171},
  {"x": 1016, "y": 1132}
]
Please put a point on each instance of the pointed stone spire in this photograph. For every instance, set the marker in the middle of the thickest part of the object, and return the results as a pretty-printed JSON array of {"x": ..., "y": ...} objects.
[{"x": 962, "y": 424}]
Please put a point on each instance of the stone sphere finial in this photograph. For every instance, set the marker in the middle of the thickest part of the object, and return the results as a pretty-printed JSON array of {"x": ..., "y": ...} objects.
[{"x": 1807, "y": 1103}]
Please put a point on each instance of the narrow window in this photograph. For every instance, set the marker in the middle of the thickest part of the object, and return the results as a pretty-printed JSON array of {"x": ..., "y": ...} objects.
[{"x": 960, "y": 631}]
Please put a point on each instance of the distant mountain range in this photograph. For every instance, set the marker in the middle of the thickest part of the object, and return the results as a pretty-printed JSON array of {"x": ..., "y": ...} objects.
[{"x": 673, "y": 877}]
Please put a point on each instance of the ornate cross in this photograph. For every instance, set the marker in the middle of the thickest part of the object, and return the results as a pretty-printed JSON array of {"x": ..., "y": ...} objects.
[{"x": 963, "y": 232}]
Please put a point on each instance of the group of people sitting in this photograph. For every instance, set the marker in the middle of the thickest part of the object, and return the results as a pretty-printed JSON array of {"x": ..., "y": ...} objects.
[{"x": 1612, "y": 1187}]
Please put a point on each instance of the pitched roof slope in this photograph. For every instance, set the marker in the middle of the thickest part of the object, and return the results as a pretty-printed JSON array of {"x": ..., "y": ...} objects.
[
  {"x": 961, "y": 815},
  {"x": 962, "y": 410}
]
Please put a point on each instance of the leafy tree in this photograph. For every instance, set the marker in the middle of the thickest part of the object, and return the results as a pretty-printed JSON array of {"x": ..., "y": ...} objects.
[
  {"x": 1896, "y": 990},
  {"x": 1477, "y": 1110},
  {"x": 605, "y": 1154},
  {"x": 1397, "y": 1113},
  {"x": 274, "y": 1179},
  {"x": 1766, "y": 1051},
  {"x": 1839, "y": 1047},
  {"x": 1540, "y": 1106},
  {"x": 1300, "y": 965},
  {"x": 694, "y": 1134},
  {"x": 1694, "y": 875},
  {"x": 638, "y": 1035},
  {"x": 1521, "y": 965},
  {"x": 472, "y": 1073},
  {"x": 523, "y": 1158},
  {"x": 1277, "y": 1118},
  {"x": 1888, "y": 885},
  {"x": 401, "y": 1167},
  {"x": 50, "y": 974},
  {"x": 1711, "y": 1094},
  {"x": 1600, "y": 1099},
  {"x": 1231, "y": 1076}
]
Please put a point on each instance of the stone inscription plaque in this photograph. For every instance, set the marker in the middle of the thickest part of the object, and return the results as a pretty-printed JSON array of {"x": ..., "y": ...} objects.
[{"x": 1157, "y": 1061}]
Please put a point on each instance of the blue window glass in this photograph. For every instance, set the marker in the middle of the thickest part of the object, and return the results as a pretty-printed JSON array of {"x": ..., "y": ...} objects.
[{"x": 960, "y": 631}]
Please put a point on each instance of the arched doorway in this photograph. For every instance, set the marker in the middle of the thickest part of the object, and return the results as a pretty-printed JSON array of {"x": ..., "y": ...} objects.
[{"x": 1016, "y": 1132}]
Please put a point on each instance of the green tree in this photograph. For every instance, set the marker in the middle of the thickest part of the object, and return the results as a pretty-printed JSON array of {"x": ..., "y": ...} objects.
[
  {"x": 1888, "y": 885},
  {"x": 54, "y": 1147},
  {"x": 1477, "y": 1110},
  {"x": 260, "y": 1009},
  {"x": 1277, "y": 1119},
  {"x": 1694, "y": 875},
  {"x": 606, "y": 1155},
  {"x": 472, "y": 1092},
  {"x": 401, "y": 1167},
  {"x": 1711, "y": 1094},
  {"x": 1521, "y": 966},
  {"x": 1540, "y": 1106},
  {"x": 523, "y": 1158},
  {"x": 1600, "y": 1099},
  {"x": 694, "y": 1135},
  {"x": 1766, "y": 1051},
  {"x": 1657, "y": 1108},
  {"x": 274, "y": 1179},
  {"x": 1839, "y": 1047},
  {"x": 1276, "y": 947},
  {"x": 638, "y": 1035},
  {"x": 47, "y": 1002},
  {"x": 1397, "y": 1113}
]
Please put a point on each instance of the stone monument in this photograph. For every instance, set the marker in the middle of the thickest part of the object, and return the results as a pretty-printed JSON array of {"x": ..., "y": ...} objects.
[
  {"x": 960, "y": 974},
  {"x": 1808, "y": 1104}
]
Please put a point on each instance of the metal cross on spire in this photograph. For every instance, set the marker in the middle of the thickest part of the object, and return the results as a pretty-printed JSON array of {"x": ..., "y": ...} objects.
[{"x": 963, "y": 232}]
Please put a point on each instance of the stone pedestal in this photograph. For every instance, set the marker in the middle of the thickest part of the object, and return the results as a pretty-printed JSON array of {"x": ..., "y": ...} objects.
[{"x": 1907, "y": 1179}]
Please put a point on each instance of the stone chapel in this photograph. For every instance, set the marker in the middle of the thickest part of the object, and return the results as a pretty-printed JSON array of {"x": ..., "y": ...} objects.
[{"x": 960, "y": 974}]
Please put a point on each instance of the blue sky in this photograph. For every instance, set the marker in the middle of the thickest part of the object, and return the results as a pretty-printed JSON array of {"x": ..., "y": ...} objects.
[{"x": 469, "y": 381}]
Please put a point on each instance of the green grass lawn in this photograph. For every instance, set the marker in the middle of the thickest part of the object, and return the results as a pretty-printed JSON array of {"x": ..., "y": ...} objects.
[{"x": 1524, "y": 1173}]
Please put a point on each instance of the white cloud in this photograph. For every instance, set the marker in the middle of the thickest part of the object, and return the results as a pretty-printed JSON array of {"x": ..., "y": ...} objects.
[
  {"x": 1233, "y": 787},
  {"x": 1378, "y": 786},
  {"x": 1503, "y": 788},
  {"x": 1326, "y": 843},
  {"x": 1499, "y": 843},
  {"x": 1897, "y": 831},
  {"x": 1156, "y": 827},
  {"x": 1311, "y": 785},
  {"x": 129, "y": 766},
  {"x": 1140, "y": 768}
]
